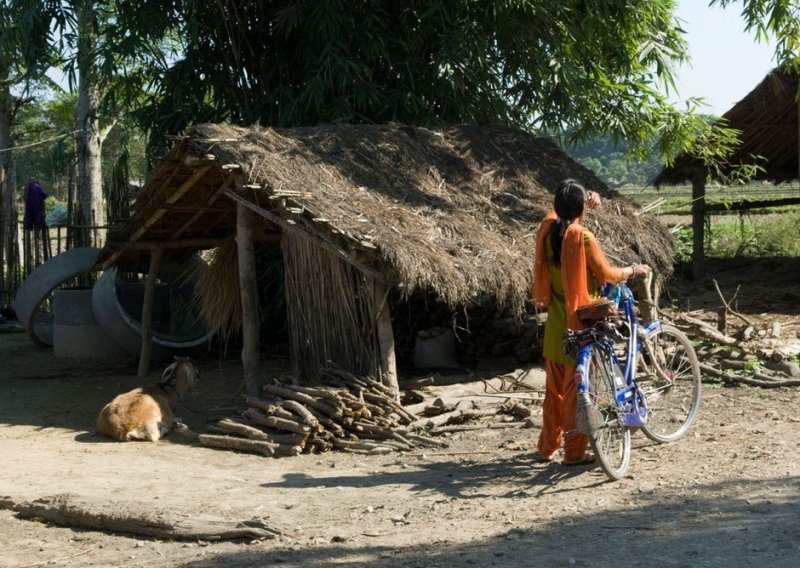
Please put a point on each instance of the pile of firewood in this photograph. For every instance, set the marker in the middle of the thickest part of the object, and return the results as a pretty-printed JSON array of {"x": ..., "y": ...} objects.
[
  {"x": 347, "y": 412},
  {"x": 741, "y": 353}
]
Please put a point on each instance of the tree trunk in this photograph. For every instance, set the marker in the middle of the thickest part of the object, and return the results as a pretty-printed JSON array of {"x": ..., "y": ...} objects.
[
  {"x": 136, "y": 518},
  {"x": 90, "y": 186},
  {"x": 8, "y": 202}
]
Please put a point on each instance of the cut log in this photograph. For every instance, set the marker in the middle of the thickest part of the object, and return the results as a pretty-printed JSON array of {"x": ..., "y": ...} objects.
[
  {"x": 233, "y": 427},
  {"x": 290, "y": 394},
  {"x": 251, "y": 446},
  {"x": 138, "y": 519},
  {"x": 268, "y": 408},
  {"x": 704, "y": 329},
  {"x": 757, "y": 380},
  {"x": 362, "y": 447},
  {"x": 284, "y": 424},
  {"x": 302, "y": 412}
]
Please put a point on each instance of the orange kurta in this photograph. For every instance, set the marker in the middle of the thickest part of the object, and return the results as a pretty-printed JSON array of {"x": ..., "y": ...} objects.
[{"x": 563, "y": 290}]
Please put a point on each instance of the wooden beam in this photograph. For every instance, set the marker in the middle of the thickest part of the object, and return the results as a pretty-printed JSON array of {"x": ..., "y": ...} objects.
[
  {"x": 747, "y": 204},
  {"x": 698, "y": 223},
  {"x": 301, "y": 232},
  {"x": 248, "y": 291},
  {"x": 158, "y": 213},
  {"x": 209, "y": 202},
  {"x": 182, "y": 190},
  {"x": 147, "y": 313},
  {"x": 197, "y": 244},
  {"x": 388, "y": 360}
]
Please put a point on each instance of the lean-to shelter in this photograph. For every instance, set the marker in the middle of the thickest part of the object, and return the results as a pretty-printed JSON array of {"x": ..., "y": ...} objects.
[
  {"x": 767, "y": 119},
  {"x": 362, "y": 210}
]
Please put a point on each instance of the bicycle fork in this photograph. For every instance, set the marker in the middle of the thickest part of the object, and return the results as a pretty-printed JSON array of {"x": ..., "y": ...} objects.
[{"x": 628, "y": 406}]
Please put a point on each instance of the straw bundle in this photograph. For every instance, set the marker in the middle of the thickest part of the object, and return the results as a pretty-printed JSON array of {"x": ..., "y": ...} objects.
[
  {"x": 217, "y": 291},
  {"x": 330, "y": 310}
]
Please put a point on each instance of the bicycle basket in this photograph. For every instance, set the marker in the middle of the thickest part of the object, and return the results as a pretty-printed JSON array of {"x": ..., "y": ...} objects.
[{"x": 598, "y": 310}]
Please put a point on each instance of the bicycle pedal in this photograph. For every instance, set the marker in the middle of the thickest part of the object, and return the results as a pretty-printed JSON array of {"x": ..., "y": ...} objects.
[{"x": 588, "y": 419}]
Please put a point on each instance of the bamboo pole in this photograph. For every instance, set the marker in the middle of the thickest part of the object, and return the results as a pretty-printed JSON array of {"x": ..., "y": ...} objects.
[
  {"x": 248, "y": 290},
  {"x": 147, "y": 313}
]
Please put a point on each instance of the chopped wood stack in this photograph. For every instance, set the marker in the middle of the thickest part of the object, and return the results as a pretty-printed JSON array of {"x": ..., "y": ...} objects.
[{"x": 350, "y": 413}]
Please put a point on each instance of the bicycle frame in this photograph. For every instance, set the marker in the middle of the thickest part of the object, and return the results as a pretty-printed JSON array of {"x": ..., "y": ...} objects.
[{"x": 629, "y": 398}]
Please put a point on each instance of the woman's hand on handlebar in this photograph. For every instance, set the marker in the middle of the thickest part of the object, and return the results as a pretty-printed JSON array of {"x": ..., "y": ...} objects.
[{"x": 639, "y": 269}]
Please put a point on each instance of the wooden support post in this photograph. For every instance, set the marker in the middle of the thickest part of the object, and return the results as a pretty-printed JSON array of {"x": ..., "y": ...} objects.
[
  {"x": 698, "y": 223},
  {"x": 147, "y": 313},
  {"x": 383, "y": 322},
  {"x": 248, "y": 290}
]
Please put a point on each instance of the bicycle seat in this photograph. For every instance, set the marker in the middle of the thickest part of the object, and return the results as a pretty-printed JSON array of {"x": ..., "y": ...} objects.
[{"x": 598, "y": 310}]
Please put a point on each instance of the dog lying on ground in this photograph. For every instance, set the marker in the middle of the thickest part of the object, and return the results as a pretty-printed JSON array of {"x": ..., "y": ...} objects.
[{"x": 148, "y": 413}]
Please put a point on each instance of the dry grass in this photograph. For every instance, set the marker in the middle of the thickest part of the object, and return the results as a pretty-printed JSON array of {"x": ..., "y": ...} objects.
[
  {"x": 217, "y": 291},
  {"x": 330, "y": 306},
  {"x": 452, "y": 210}
]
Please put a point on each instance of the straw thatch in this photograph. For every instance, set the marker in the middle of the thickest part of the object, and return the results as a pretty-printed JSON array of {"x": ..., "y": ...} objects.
[
  {"x": 768, "y": 121},
  {"x": 451, "y": 210}
]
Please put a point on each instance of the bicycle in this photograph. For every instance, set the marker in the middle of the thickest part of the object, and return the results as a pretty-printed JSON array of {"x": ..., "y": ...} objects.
[{"x": 631, "y": 377}]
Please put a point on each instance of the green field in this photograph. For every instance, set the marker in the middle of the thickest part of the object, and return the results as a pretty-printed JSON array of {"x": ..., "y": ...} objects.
[{"x": 755, "y": 232}]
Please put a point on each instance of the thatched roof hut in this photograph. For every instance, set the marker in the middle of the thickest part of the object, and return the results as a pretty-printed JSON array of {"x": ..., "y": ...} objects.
[
  {"x": 360, "y": 210},
  {"x": 768, "y": 120}
]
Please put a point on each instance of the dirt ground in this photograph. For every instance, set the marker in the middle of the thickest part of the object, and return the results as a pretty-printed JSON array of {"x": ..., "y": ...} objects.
[{"x": 728, "y": 494}]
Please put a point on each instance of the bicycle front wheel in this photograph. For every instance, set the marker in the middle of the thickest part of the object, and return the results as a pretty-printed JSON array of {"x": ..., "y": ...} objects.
[
  {"x": 611, "y": 441},
  {"x": 670, "y": 384}
]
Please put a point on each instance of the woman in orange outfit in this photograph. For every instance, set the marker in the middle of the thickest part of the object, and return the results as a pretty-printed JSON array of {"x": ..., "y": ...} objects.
[{"x": 568, "y": 269}]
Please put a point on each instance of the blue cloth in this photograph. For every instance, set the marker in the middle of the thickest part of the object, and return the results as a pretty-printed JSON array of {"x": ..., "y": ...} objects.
[{"x": 34, "y": 205}]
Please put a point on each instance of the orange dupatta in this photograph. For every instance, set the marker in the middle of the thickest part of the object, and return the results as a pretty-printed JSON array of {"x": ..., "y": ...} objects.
[
  {"x": 573, "y": 274},
  {"x": 541, "y": 292}
]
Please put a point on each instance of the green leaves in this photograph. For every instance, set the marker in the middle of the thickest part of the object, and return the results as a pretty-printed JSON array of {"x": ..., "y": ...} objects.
[{"x": 777, "y": 19}]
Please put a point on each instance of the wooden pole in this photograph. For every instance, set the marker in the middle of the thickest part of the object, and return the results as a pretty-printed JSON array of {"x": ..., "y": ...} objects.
[
  {"x": 698, "y": 223},
  {"x": 383, "y": 322},
  {"x": 147, "y": 313},
  {"x": 248, "y": 290}
]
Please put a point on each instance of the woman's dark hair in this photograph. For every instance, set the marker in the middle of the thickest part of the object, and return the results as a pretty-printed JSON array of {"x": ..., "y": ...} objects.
[{"x": 570, "y": 199}]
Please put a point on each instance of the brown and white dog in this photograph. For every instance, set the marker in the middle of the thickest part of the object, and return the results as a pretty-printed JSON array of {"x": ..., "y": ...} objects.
[{"x": 148, "y": 413}]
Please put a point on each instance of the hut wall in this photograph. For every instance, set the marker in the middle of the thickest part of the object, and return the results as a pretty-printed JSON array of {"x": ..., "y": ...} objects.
[
  {"x": 330, "y": 311},
  {"x": 486, "y": 333}
]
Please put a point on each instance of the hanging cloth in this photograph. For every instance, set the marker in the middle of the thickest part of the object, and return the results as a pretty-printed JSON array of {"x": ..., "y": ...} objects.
[{"x": 34, "y": 206}]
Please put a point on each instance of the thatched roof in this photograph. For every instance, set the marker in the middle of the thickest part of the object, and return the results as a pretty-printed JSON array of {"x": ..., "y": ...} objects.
[
  {"x": 767, "y": 119},
  {"x": 453, "y": 209}
]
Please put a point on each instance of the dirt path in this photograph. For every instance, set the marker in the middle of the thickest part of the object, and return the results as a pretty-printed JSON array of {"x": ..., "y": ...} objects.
[{"x": 727, "y": 495}]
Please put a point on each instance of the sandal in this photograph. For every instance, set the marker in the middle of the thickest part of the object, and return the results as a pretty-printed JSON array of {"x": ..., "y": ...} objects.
[
  {"x": 585, "y": 460},
  {"x": 539, "y": 458}
]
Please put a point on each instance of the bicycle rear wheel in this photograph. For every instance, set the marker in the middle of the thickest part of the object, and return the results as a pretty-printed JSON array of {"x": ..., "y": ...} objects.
[
  {"x": 611, "y": 441},
  {"x": 671, "y": 385}
]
